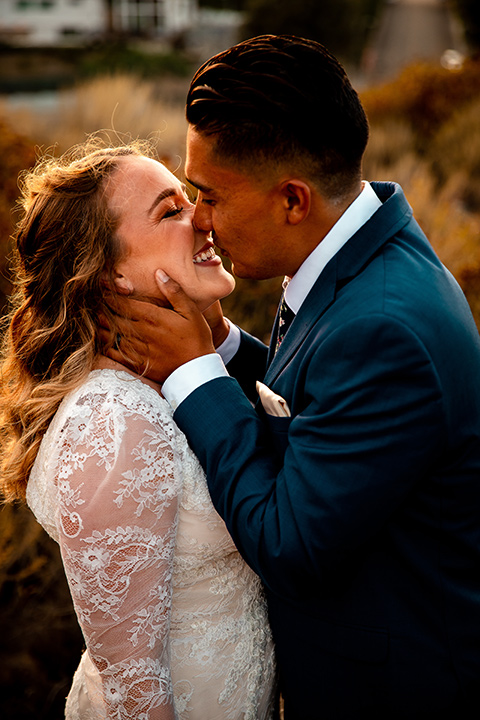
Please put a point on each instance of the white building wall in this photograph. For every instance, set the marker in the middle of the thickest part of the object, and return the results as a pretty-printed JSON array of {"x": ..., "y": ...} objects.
[
  {"x": 155, "y": 17},
  {"x": 48, "y": 22},
  {"x": 181, "y": 14},
  {"x": 44, "y": 22}
]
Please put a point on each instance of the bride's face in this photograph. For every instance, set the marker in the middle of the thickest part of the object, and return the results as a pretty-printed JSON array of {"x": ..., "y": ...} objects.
[{"x": 156, "y": 231}]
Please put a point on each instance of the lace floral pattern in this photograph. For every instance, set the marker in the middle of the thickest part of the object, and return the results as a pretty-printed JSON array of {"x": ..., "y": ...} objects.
[{"x": 174, "y": 621}]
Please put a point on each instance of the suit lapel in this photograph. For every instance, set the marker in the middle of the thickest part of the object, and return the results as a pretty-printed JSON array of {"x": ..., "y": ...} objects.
[{"x": 347, "y": 264}]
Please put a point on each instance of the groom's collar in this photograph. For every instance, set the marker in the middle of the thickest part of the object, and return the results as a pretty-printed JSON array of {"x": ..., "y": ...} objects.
[{"x": 356, "y": 215}]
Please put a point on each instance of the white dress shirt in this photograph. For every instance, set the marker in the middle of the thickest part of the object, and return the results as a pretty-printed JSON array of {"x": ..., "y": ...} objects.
[{"x": 194, "y": 373}]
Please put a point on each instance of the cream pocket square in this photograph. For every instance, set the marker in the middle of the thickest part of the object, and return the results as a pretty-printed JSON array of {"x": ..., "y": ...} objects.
[{"x": 272, "y": 404}]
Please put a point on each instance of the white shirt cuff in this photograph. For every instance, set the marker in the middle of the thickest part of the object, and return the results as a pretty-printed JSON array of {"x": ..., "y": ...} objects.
[
  {"x": 188, "y": 377},
  {"x": 229, "y": 348}
]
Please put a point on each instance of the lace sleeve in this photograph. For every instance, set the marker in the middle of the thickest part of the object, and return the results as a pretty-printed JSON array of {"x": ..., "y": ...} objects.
[{"x": 117, "y": 516}]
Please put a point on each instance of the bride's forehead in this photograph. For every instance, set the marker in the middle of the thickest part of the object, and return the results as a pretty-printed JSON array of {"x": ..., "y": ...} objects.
[
  {"x": 141, "y": 165},
  {"x": 138, "y": 173}
]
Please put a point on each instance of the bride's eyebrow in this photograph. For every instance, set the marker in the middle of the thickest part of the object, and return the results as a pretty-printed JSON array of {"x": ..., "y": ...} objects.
[{"x": 168, "y": 192}]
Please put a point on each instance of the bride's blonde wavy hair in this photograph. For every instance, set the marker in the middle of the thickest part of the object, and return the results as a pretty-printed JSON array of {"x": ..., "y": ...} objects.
[{"x": 64, "y": 249}]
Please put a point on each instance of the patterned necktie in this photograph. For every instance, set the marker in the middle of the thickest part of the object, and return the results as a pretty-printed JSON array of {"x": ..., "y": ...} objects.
[{"x": 284, "y": 321}]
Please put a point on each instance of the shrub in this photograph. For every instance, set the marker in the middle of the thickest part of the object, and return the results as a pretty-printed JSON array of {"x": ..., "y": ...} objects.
[
  {"x": 425, "y": 96},
  {"x": 455, "y": 153},
  {"x": 120, "y": 58},
  {"x": 36, "y": 615},
  {"x": 16, "y": 154},
  {"x": 425, "y": 134}
]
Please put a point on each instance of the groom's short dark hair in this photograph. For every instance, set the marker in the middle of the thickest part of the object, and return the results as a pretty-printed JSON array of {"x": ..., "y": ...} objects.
[{"x": 280, "y": 98}]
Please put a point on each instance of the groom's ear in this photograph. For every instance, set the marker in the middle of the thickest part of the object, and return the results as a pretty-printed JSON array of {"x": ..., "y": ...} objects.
[{"x": 296, "y": 197}]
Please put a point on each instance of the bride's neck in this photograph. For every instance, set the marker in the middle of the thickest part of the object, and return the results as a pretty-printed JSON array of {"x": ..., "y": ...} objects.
[{"x": 103, "y": 362}]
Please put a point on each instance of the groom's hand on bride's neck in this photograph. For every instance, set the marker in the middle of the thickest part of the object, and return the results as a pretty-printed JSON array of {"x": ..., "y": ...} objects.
[{"x": 153, "y": 340}]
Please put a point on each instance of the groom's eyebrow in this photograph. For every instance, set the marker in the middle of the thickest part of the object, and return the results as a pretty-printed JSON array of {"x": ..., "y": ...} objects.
[{"x": 199, "y": 186}]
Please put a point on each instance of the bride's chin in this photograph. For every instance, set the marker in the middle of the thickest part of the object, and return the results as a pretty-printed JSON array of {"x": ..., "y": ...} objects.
[
  {"x": 205, "y": 303},
  {"x": 221, "y": 289},
  {"x": 229, "y": 283}
]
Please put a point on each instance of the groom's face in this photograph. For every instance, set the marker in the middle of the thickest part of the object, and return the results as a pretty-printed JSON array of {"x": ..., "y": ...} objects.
[{"x": 240, "y": 210}]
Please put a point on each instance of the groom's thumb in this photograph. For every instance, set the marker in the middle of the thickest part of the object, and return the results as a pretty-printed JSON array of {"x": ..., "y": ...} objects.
[{"x": 174, "y": 293}]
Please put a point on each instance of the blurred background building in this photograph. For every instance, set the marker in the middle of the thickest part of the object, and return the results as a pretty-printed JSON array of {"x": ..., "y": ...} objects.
[
  {"x": 374, "y": 38},
  {"x": 54, "y": 22}
]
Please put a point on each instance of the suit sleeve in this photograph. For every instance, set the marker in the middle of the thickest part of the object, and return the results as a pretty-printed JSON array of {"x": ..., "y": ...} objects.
[
  {"x": 367, "y": 424},
  {"x": 249, "y": 364}
]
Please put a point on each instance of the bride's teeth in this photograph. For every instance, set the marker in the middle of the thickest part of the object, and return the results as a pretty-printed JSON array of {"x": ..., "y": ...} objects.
[{"x": 207, "y": 255}]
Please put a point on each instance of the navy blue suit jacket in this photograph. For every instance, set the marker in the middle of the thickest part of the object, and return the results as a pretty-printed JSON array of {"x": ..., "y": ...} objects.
[{"x": 361, "y": 512}]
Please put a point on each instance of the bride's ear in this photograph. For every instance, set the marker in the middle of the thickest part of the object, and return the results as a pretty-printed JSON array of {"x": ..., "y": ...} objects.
[{"x": 121, "y": 284}]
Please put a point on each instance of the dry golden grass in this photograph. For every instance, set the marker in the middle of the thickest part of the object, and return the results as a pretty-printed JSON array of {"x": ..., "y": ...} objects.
[
  {"x": 122, "y": 106},
  {"x": 455, "y": 153},
  {"x": 453, "y": 230}
]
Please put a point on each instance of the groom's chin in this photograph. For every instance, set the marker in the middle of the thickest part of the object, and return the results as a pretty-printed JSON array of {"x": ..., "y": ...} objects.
[{"x": 247, "y": 273}]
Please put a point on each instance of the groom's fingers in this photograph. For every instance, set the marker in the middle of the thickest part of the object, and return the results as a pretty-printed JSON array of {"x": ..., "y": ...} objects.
[{"x": 176, "y": 296}]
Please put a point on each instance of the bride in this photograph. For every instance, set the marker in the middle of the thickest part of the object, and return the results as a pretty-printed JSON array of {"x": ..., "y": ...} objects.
[{"x": 174, "y": 621}]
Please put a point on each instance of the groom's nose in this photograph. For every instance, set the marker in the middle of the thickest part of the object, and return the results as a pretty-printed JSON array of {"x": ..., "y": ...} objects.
[{"x": 202, "y": 216}]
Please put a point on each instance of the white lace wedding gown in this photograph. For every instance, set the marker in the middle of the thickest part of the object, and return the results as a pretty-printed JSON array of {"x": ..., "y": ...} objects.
[{"x": 174, "y": 621}]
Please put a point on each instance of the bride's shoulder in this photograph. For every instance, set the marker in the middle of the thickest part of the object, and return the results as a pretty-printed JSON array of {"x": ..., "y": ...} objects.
[{"x": 115, "y": 390}]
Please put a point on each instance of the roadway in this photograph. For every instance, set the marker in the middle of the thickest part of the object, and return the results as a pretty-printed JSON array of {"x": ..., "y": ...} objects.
[{"x": 410, "y": 31}]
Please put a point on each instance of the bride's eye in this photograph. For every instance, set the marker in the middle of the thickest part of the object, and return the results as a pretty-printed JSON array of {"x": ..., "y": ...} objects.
[{"x": 174, "y": 210}]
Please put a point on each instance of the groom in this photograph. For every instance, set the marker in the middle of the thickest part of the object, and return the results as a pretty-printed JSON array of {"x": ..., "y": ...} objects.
[{"x": 353, "y": 487}]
